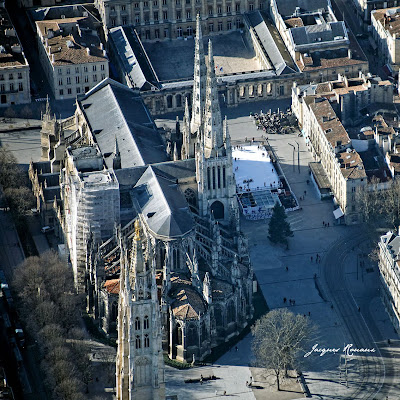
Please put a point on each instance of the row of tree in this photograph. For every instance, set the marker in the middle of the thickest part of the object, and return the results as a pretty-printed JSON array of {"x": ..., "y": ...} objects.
[{"x": 49, "y": 308}]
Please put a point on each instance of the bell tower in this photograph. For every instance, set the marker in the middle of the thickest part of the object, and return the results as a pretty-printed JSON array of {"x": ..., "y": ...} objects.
[{"x": 140, "y": 365}]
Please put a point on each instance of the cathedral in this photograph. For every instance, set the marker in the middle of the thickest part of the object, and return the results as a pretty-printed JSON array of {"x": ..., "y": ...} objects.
[{"x": 151, "y": 224}]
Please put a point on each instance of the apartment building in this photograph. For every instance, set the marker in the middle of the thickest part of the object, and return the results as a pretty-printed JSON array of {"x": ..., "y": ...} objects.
[
  {"x": 72, "y": 55},
  {"x": 386, "y": 32},
  {"x": 389, "y": 268},
  {"x": 14, "y": 68}
]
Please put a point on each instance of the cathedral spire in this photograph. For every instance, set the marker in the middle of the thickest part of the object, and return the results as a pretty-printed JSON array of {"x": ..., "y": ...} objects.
[
  {"x": 137, "y": 262},
  {"x": 213, "y": 136},
  {"x": 199, "y": 79},
  {"x": 116, "y": 156},
  {"x": 176, "y": 158},
  {"x": 185, "y": 151}
]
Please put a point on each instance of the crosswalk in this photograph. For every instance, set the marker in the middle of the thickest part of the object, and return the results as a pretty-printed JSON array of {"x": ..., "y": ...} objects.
[{"x": 295, "y": 219}]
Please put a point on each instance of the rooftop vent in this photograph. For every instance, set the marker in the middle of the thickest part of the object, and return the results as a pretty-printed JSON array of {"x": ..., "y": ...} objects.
[{"x": 70, "y": 44}]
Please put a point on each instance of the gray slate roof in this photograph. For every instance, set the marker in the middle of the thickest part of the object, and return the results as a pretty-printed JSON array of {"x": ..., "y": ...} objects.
[
  {"x": 163, "y": 205},
  {"x": 318, "y": 33},
  {"x": 132, "y": 58},
  {"x": 116, "y": 112},
  {"x": 287, "y": 7},
  {"x": 279, "y": 61}
]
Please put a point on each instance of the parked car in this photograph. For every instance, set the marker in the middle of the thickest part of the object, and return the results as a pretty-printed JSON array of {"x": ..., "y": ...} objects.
[{"x": 47, "y": 229}]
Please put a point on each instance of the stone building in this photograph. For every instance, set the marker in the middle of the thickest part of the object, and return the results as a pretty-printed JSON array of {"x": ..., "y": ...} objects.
[
  {"x": 71, "y": 52},
  {"x": 389, "y": 250},
  {"x": 14, "y": 67},
  {"x": 346, "y": 164},
  {"x": 166, "y": 19},
  {"x": 385, "y": 30},
  {"x": 116, "y": 169}
]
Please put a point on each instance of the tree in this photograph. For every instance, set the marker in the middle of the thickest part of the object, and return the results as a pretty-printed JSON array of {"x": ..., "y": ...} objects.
[
  {"x": 278, "y": 339},
  {"x": 279, "y": 229}
]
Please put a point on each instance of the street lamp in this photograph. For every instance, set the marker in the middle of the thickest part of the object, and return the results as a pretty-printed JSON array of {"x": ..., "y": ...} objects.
[
  {"x": 298, "y": 156},
  {"x": 294, "y": 149}
]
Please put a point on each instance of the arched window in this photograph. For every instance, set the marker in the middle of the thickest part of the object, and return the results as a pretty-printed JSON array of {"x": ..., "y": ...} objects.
[
  {"x": 137, "y": 324},
  {"x": 219, "y": 177},
  {"x": 178, "y": 99},
  {"x": 146, "y": 322},
  {"x": 179, "y": 335},
  {"x": 223, "y": 177},
  {"x": 146, "y": 340},
  {"x": 137, "y": 342},
  {"x": 192, "y": 336},
  {"x": 213, "y": 173},
  {"x": 208, "y": 179},
  {"x": 190, "y": 196}
]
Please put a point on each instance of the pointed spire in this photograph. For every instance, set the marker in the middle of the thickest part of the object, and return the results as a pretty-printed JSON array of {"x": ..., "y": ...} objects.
[
  {"x": 199, "y": 79},
  {"x": 137, "y": 261},
  {"x": 207, "y": 288},
  {"x": 176, "y": 158},
  {"x": 185, "y": 151},
  {"x": 213, "y": 136},
  {"x": 116, "y": 155}
]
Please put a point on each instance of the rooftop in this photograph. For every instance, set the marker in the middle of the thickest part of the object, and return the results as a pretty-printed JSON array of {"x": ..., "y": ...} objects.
[
  {"x": 71, "y": 41},
  {"x": 351, "y": 165},
  {"x": 11, "y": 54},
  {"x": 288, "y": 8},
  {"x": 329, "y": 122},
  {"x": 389, "y": 18}
]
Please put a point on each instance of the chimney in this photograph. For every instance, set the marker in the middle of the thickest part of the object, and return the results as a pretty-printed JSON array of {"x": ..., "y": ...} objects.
[
  {"x": 52, "y": 58},
  {"x": 88, "y": 51},
  {"x": 349, "y": 53}
]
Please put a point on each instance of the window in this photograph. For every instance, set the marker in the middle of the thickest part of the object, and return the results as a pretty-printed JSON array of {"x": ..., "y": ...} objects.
[
  {"x": 146, "y": 4},
  {"x": 86, "y": 79},
  {"x": 219, "y": 25},
  {"x": 165, "y": 15},
  {"x": 219, "y": 9},
  {"x": 179, "y": 31},
  {"x": 237, "y": 7},
  {"x": 124, "y": 21},
  {"x": 165, "y": 33},
  {"x": 2, "y": 87},
  {"x": 94, "y": 68},
  {"x": 1, "y": 77},
  {"x": 11, "y": 76},
  {"x": 178, "y": 15},
  {"x": 137, "y": 324},
  {"x": 178, "y": 2},
  {"x": 157, "y": 33},
  {"x": 189, "y": 31},
  {"x": 68, "y": 80},
  {"x": 146, "y": 322},
  {"x": 94, "y": 78},
  {"x": 69, "y": 91},
  {"x": 77, "y": 70},
  {"x": 59, "y": 71},
  {"x": 155, "y": 15},
  {"x": 137, "y": 342},
  {"x": 112, "y": 8},
  {"x": 68, "y": 71},
  {"x": 229, "y": 25},
  {"x": 210, "y": 11},
  {"x": 228, "y": 8},
  {"x": 251, "y": 6},
  {"x": 261, "y": 5},
  {"x": 123, "y": 8},
  {"x": 19, "y": 75},
  {"x": 146, "y": 340},
  {"x": 136, "y": 5},
  {"x": 61, "y": 92},
  {"x": 85, "y": 69},
  {"x": 188, "y": 15},
  {"x": 78, "y": 90},
  {"x": 60, "y": 82},
  {"x": 137, "y": 19},
  {"x": 238, "y": 23},
  {"x": 103, "y": 76},
  {"x": 211, "y": 27},
  {"x": 77, "y": 79},
  {"x": 113, "y": 22},
  {"x": 281, "y": 90},
  {"x": 164, "y": 2},
  {"x": 155, "y": 3}
]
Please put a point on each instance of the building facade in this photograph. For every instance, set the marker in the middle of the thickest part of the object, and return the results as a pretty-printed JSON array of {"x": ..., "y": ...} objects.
[
  {"x": 14, "y": 68},
  {"x": 72, "y": 55},
  {"x": 389, "y": 268},
  {"x": 385, "y": 30}
]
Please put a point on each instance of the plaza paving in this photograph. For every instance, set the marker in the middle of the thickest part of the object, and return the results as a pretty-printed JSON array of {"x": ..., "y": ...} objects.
[
  {"x": 231, "y": 53},
  {"x": 302, "y": 281}
]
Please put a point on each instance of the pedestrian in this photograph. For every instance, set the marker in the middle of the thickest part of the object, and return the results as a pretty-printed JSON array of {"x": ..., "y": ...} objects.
[
  {"x": 224, "y": 392},
  {"x": 236, "y": 348},
  {"x": 201, "y": 379},
  {"x": 323, "y": 223},
  {"x": 311, "y": 258},
  {"x": 309, "y": 314},
  {"x": 247, "y": 383},
  {"x": 328, "y": 224},
  {"x": 294, "y": 302},
  {"x": 284, "y": 299},
  {"x": 287, "y": 268},
  {"x": 305, "y": 192},
  {"x": 359, "y": 309}
]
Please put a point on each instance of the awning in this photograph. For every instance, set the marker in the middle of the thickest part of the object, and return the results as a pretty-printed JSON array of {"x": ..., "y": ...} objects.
[{"x": 338, "y": 213}]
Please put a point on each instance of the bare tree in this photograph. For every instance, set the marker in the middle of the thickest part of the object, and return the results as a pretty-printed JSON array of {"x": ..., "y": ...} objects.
[{"x": 278, "y": 339}]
